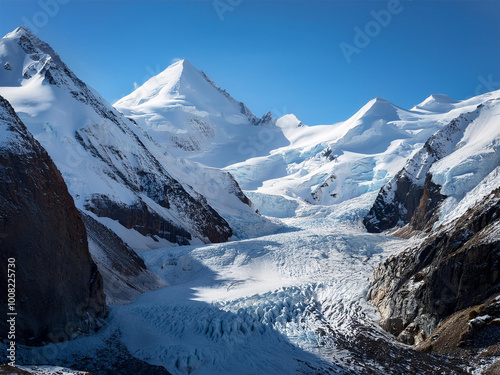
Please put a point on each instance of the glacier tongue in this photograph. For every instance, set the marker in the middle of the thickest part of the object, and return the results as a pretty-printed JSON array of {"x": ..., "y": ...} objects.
[{"x": 292, "y": 302}]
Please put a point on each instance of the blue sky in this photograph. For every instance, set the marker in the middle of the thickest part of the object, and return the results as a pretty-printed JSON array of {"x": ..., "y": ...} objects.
[{"x": 284, "y": 56}]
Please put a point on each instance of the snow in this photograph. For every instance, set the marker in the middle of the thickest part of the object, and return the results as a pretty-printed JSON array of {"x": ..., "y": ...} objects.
[
  {"x": 101, "y": 153},
  {"x": 50, "y": 370},
  {"x": 436, "y": 103},
  {"x": 330, "y": 164},
  {"x": 470, "y": 170},
  {"x": 187, "y": 114},
  {"x": 284, "y": 295}
]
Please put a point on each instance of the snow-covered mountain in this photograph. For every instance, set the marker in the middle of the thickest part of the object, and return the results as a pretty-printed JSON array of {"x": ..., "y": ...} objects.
[
  {"x": 292, "y": 301},
  {"x": 189, "y": 115},
  {"x": 443, "y": 294},
  {"x": 454, "y": 168},
  {"x": 115, "y": 173},
  {"x": 331, "y": 164}
]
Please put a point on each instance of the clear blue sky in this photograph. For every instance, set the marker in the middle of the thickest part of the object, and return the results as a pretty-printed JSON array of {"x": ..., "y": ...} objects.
[{"x": 283, "y": 56}]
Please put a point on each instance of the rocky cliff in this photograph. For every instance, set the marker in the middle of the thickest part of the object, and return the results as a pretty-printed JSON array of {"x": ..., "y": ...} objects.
[
  {"x": 59, "y": 290},
  {"x": 455, "y": 268}
]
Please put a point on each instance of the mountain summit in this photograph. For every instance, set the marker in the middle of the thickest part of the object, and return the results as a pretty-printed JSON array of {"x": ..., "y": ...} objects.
[
  {"x": 188, "y": 114},
  {"x": 436, "y": 103},
  {"x": 180, "y": 84}
]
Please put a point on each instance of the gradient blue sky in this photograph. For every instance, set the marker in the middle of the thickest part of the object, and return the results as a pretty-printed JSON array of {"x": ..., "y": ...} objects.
[{"x": 283, "y": 56}]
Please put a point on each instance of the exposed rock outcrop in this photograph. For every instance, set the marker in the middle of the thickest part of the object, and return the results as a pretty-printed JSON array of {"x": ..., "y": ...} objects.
[
  {"x": 455, "y": 268},
  {"x": 427, "y": 212},
  {"x": 474, "y": 328},
  {"x": 59, "y": 290},
  {"x": 124, "y": 273}
]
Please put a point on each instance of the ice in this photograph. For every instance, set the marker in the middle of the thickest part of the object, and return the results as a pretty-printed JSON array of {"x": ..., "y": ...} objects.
[{"x": 261, "y": 305}]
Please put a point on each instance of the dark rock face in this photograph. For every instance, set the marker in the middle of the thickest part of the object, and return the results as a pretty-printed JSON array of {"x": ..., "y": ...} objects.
[
  {"x": 467, "y": 331},
  {"x": 124, "y": 273},
  {"x": 411, "y": 203},
  {"x": 147, "y": 222},
  {"x": 427, "y": 211},
  {"x": 455, "y": 268},
  {"x": 393, "y": 206},
  {"x": 58, "y": 287},
  {"x": 138, "y": 217}
]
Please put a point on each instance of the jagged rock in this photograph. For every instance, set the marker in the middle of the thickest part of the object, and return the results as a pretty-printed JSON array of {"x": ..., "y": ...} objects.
[
  {"x": 469, "y": 330},
  {"x": 456, "y": 267},
  {"x": 318, "y": 193},
  {"x": 426, "y": 213},
  {"x": 59, "y": 290}
]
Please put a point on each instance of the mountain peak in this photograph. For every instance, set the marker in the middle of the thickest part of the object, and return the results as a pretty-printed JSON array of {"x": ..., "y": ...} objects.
[
  {"x": 185, "y": 63},
  {"x": 379, "y": 100},
  {"x": 30, "y": 43},
  {"x": 378, "y": 107},
  {"x": 289, "y": 121},
  {"x": 181, "y": 63},
  {"x": 182, "y": 85},
  {"x": 23, "y": 31},
  {"x": 441, "y": 98},
  {"x": 436, "y": 103}
]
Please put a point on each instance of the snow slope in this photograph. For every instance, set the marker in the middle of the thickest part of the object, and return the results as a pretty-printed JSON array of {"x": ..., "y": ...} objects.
[
  {"x": 471, "y": 168},
  {"x": 111, "y": 167},
  {"x": 189, "y": 115},
  {"x": 330, "y": 164}
]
